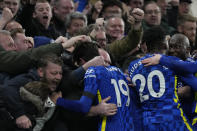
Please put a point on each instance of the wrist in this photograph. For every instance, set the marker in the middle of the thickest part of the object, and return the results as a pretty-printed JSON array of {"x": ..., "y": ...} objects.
[
  {"x": 2, "y": 23},
  {"x": 86, "y": 65},
  {"x": 137, "y": 25}
]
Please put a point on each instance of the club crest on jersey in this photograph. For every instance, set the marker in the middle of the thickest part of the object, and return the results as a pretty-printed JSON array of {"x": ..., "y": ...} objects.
[{"x": 89, "y": 71}]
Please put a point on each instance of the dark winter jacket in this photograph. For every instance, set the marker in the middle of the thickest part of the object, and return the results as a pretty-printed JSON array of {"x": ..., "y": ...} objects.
[{"x": 11, "y": 95}]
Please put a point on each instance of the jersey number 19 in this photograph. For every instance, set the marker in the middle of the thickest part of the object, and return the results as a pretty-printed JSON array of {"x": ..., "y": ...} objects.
[{"x": 118, "y": 85}]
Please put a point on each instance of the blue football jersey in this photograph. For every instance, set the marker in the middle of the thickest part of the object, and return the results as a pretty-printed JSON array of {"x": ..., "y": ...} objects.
[
  {"x": 110, "y": 81},
  {"x": 157, "y": 88}
]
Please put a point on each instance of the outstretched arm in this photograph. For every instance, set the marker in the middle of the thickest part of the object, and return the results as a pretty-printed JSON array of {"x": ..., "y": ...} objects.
[
  {"x": 83, "y": 105},
  {"x": 182, "y": 67},
  {"x": 179, "y": 66}
]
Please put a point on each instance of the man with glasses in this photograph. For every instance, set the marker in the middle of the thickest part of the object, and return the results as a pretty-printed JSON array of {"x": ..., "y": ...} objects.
[{"x": 152, "y": 17}]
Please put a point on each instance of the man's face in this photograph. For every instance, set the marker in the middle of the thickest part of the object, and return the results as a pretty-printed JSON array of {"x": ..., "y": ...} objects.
[
  {"x": 189, "y": 30},
  {"x": 52, "y": 74},
  {"x": 43, "y": 13},
  {"x": 184, "y": 8},
  {"x": 76, "y": 25},
  {"x": 136, "y": 4},
  {"x": 13, "y": 5},
  {"x": 115, "y": 28},
  {"x": 112, "y": 11},
  {"x": 101, "y": 38},
  {"x": 64, "y": 8},
  {"x": 21, "y": 42},
  {"x": 7, "y": 42},
  {"x": 152, "y": 14},
  {"x": 179, "y": 49}
]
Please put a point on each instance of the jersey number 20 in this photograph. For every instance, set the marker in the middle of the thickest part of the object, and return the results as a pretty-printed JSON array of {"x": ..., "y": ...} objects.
[
  {"x": 144, "y": 97},
  {"x": 118, "y": 85}
]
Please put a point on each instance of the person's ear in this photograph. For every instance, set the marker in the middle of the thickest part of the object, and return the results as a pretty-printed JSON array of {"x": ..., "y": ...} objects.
[
  {"x": 34, "y": 15},
  {"x": 82, "y": 61},
  {"x": 143, "y": 47},
  {"x": 188, "y": 50},
  {"x": 180, "y": 28},
  {"x": 40, "y": 72}
]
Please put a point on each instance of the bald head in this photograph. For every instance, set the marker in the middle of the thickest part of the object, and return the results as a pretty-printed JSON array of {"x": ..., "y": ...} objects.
[
  {"x": 13, "y": 25},
  {"x": 180, "y": 39},
  {"x": 179, "y": 46}
]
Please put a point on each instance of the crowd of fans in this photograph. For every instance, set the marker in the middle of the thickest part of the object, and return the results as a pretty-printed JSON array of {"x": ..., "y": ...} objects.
[{"x": 38, "y": 60}]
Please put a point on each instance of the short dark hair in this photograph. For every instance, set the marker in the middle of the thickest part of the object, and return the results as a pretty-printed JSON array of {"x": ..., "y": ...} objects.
[
  {"x": 187, "y": 1},
  {"x": 154, "y": 38},
  {"x": 49, "y": 57},
  {"x": 75, "y": 15},
  {"x": 40, "y": 1},
  {"x": 149, "y": 2},
  {"x": 85, "y": 50},
  {"x": 108, "y": 3}
]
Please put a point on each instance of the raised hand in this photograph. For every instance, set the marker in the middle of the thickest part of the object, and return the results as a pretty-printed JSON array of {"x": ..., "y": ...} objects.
[
  {"x": 61, "y": 39},
  {"x": 106, "y": 109},
  {"x": 73, "y": 40},
  {"x": 96, "y": 61},
  {"x": 55, "y": 95},
  {"x": 138, "y": 14}
]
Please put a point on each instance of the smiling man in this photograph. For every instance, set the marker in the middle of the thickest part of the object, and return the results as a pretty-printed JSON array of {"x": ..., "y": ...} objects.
[
  {"x": 114, "y": 28},
  {"x": 49, "y": 70}
]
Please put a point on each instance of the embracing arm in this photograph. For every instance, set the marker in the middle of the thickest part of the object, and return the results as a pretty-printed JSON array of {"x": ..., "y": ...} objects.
[
  {"x": 179, "y": 66},
  {"x": 17, "y": 62},
  {"x": 83, "y": 105}
]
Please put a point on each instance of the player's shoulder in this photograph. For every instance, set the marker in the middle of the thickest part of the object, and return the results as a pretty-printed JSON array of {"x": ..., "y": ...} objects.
[
  {"x": 172, "y": 57},
  {"x": 102, "y": 69}
]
